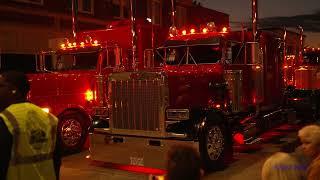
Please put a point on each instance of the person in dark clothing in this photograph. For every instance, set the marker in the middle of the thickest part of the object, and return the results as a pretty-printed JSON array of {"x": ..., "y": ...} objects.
[
  {"x": 183, "y": 163},
  {"x": 14, "y": 88}
]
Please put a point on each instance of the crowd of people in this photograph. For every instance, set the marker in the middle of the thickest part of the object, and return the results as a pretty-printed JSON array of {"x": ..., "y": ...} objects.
[
  {"x": 302, "y": 164},
  {"x": 30, "y": 146}
]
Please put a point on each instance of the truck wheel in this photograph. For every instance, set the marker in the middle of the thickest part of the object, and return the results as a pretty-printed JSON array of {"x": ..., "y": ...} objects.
[
  {"x": 215, "y": 147},
  {"x": 73, "y": 131}
]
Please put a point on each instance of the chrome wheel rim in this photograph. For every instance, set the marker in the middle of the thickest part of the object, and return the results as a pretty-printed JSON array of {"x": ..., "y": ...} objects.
[
  {"x": 71, "y": 132},
  {"x": 215, "y": 142}
]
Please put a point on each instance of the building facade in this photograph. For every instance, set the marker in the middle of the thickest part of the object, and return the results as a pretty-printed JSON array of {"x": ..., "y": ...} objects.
[{"x": 29, "y": 26}]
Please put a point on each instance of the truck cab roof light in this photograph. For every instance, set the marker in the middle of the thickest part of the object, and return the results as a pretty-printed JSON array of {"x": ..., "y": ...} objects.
[
  {"x": 192, "y": 31},
  {"x": 205, "y": 30},
  {"x": 173, "y": 31},
  {"x": 88, "y": 39},
  {"x": 211, "y": 26},
  {"x": 184, "y": 32},
  {"x": 224, "y": 30}
]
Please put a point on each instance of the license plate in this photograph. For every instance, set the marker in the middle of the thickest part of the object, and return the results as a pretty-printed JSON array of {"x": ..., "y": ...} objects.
[{"x": 137, "y": 161}]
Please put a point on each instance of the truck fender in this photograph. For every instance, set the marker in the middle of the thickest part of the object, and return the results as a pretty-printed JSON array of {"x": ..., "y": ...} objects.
[
  {"x": 211, "y": 116},
  {"x": 81, "y": 110}
]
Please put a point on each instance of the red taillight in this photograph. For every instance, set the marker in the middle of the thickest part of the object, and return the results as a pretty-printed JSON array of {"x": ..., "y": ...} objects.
[
  {"x": 238, "y": 138},
  {"x": 295, "y": 99}
]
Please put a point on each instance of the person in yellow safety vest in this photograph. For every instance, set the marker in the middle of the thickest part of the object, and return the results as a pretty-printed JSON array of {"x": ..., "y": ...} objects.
[{"x": 29, "y": 149}]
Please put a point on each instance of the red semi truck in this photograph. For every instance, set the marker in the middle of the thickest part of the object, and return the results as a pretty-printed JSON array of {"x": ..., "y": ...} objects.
[
  {"x": 71, "y": 82},
  {"x": 214, "y": 87},
  {"x": 304, "y": 93}
]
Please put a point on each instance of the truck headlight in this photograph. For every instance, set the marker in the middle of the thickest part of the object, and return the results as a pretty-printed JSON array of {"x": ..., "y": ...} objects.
[{"x": 177, "y": 114}]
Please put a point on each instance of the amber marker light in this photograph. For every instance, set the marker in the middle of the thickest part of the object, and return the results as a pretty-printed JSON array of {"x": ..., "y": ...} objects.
[
  {"x": 89, "y": 95},
  {"x": 224, "y": 29},
  {"x": 192, "y": 31},
  {"x": 258, "y": 67},
  {"x": 82, "y": 44},
  {"x": 205, "y": 30},
  {"x": 47, "y": 110},
  {"x": 63, "y": 46},
  {"x": 95, "y": 42},
  {"x": 184, "y": 32},
  {"x": 74, "y": 44}
]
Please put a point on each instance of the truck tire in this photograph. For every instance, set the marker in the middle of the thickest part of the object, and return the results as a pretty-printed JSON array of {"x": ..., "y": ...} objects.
[
  {"x": 72, "y": 131},
  {"x": 215, "y": 147}
]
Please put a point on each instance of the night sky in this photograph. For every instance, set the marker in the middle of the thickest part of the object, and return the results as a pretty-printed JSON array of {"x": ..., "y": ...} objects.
[{"x": 240, "y": 10}]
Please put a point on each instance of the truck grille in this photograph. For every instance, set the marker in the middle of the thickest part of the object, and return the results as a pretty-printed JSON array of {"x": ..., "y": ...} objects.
[{"x": 137, "y": 104}]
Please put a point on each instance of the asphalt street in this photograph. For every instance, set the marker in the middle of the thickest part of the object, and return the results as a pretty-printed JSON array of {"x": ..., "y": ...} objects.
[{"x": 247, "y": 164}]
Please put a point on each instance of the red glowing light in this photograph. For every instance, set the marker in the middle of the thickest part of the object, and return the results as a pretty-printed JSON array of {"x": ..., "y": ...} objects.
[
  {"x": 238, "y": 138},
  {"x": 131, "y": 168}
]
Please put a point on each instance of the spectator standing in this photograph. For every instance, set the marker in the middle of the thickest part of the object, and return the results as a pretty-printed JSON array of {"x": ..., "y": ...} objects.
[
  {"x": 282, "y": 166},
  {"x": 28, "y": 134},
  {"x": 310, "y": 139},
  {"x": 183, "y": 163}
]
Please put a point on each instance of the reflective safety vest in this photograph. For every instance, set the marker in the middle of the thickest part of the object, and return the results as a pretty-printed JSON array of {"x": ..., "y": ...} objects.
[{"x": 34, "y": 137}]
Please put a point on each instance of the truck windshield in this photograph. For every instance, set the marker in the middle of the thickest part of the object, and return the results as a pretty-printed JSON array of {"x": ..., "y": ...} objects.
[
  {"x": 200, "y": 54},
  {"x": 80, "y": 61},
  {"x": 311, "y": 58}
]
